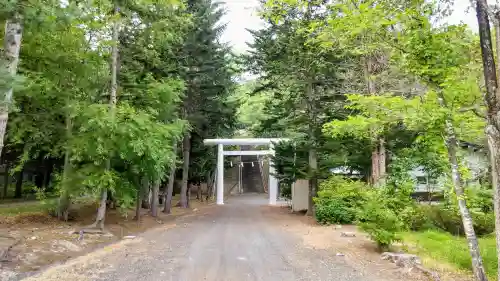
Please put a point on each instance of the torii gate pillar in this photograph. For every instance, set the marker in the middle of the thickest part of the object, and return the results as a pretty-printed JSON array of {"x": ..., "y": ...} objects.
[
  {"x": 273, "y": 182},
  {"x": 220, "y": 174}
]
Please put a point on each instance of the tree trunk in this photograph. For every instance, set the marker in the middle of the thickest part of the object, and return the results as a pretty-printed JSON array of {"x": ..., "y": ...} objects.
[
  {"x": 497, "y": 43},
  {"x": 451, "y": 145},
  {"x": 111, "y": 200},
  {"x": 199, "y": 194},
  {"x": 367, "y": 69},
  {"x": 212, "y": 184},
  {"x": 209, "y": 185},
  {"x": 19, "y": 184},
  {"x": 381, "y": 162},
  {"x": 150, "y": 195},
  {"x": 47, "y": 174},
  {"x": 313, "y": 181},
  {"x": 186, "y": 149},
  {"x": 490, "y": 75},
  {"x": 377, "y": 146},
  {"x": 101, "y": 213},
  {"x": 493, "y": 134},
  {"x": 6, "y": 181},
  {"x": 313, "y": 159},
  {"x": 171, "y": 180},
  {"x": 154, "y": 201},
  {"x": 146, "y": 194},
  {"x": 40, "y": 167},
  {"x": 11, "y": 48},
  {"x": 138, "y": 202},
  {"x": 375, "y": 166},
  {"x": 492, "y": 98},
  {"x": 188, "y": 195},
  {"x": 64, "y": 198}
]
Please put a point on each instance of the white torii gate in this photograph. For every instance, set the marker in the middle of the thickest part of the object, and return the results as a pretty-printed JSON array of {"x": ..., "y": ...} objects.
[{"x": 273, "y": 182}]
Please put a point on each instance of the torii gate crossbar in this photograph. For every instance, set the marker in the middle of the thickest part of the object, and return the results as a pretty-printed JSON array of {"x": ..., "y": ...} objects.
[{"x": 273, "y": 182}]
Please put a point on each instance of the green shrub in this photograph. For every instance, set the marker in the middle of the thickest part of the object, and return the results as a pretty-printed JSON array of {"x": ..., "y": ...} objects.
[
  {"x": 338, "y": 199},
  {"x": 350, "y": 191},
  {"x": 445, "y": 218},
  {"x": 286, "y": 191},
  {"x": 397, "y": 194},
  {"x": 484, "y": 223},
  {"x": 480, "y": 199},
  {"x": 448, "y": 219},
  {"x": 335, "y": 211},
  {"x": 415, "y": 218},
  {"x": 381, "y": 223}
]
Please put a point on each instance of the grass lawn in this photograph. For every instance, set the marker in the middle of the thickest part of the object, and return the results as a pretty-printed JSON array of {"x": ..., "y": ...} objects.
[
  {"x": 13, "y": 209},
  {"x": 444, "y": 247}
]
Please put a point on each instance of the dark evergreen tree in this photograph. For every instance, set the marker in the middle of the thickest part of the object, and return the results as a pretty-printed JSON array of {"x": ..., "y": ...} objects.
[
  {"x": 305, "y": 82},
  {"x": 208, "y": 74}
]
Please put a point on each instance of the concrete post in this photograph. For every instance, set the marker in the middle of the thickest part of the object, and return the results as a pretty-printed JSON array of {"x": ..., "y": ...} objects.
[
  {"x": 273, "y": 182},
  {"x": 220, "y": 174}
]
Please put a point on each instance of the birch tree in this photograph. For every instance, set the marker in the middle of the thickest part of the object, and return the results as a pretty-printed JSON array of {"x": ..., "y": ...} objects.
[
  {"x": 9, "y": 63},
  {"x": 492, "y": 100}
]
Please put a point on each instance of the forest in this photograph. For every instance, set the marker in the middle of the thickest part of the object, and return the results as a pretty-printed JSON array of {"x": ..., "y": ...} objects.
[{"x": 393, "y": 114}]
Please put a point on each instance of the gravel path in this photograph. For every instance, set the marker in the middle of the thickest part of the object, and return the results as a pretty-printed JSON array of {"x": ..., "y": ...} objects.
[{"x": 234, "y": 242}]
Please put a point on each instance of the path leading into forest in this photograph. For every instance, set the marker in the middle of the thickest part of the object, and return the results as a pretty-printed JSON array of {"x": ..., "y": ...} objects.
[{"x": 239, "y": 241}]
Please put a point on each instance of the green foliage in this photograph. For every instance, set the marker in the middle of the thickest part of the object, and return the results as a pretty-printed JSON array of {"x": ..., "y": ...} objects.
[
  {"x": 484, "y": 223},
  {"x": 350, "y": 191},
  {"x": 425, "y": 153},
  {"x": 338, "y": 200},
  {"x": 166, "y": 63},
  {"x": 333, "y": 211},
  {"x": 134, "y": 138},
  {"x": 251, "y": 110},
  {"x": 426, "y": 78},
  {"x": 300, "y": 83},
  {"x": 448, "y": 219},
  {"x": 479, "y": 199},
  {"x": 388, "y": 210},
  {"x": 416, "y": 218},
  {"x": 381, "y": 212},
  {"x": 286, "y": 191},
  {"x": 397, "y": 194},
  {"x": 29, "y": 187},
  {"x": 380, "y": 222},
  {"x": 207, "y": 66},
  {"x": 377, "y": 114}
]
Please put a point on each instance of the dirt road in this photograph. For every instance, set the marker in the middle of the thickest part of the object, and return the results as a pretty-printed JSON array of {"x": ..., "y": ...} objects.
[{"x": 238, "y": 241}]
